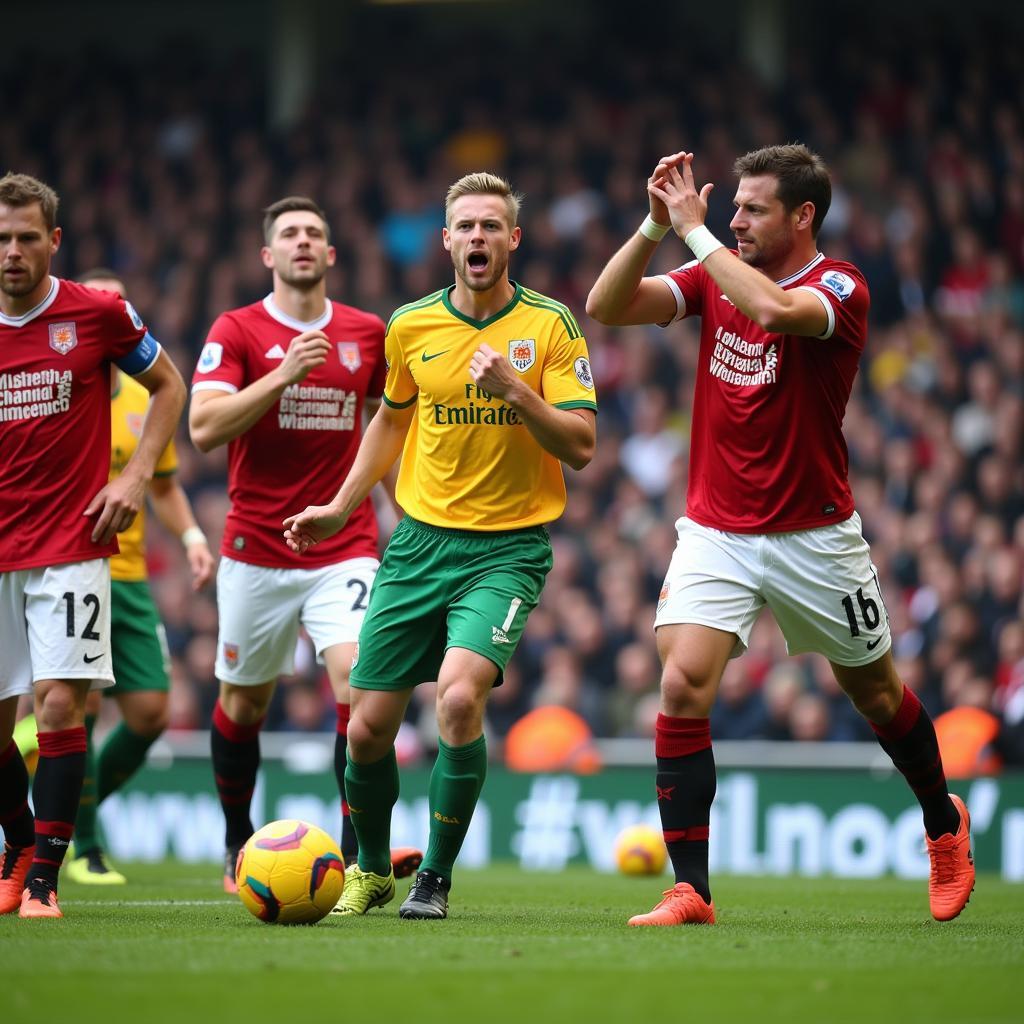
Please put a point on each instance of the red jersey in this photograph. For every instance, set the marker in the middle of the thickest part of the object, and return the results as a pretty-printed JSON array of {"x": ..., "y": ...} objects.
[
  {"x": 300, "y": 450},
  {"x": 55, "y": 419},
  {"x": 767, "y": 453}
]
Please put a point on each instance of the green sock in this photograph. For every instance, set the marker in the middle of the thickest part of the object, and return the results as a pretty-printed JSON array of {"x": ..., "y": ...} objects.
[
  {"x": 85, "y": 822},
  {"x": 455, "y": 785},
  {"x": 372, "y": 790},
  {"x": 121, "y": 757}
]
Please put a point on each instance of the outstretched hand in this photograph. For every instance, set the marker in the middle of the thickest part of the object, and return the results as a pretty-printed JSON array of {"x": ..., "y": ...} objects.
[
  {"x": 675, "y": 189},
  {"x": 314, "y": 524}
]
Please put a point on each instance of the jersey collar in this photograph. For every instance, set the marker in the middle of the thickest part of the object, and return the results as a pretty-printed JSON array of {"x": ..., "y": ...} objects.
[
  {"x": 273, "y": 310},
  {"x": 42, "y": 307},
  {"x": 803, "y": 270},
  {"x": 481, "y": 324}
]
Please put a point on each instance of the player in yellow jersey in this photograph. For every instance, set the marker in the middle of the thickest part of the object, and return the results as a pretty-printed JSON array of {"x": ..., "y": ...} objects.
[
  {"x": 138, "y": 642},
  {"x": 488, "y": 392}
]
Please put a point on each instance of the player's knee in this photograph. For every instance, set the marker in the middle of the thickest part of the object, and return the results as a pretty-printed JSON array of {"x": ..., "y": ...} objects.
[
  {"x": 150, "y": 723},
  {"x": 686, "y": 692},
  {"x": 368, "y": 739},
  {"x": 60, "y": 708},
  {"x": 459, "y": 709}
]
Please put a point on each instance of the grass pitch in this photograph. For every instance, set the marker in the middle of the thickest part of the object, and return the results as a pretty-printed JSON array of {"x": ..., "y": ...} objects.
[{"x": 523, "y": 948}]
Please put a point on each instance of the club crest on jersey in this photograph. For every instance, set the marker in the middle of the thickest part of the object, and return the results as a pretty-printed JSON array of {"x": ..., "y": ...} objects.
[
  {"x": 583, "y": 374},
  {"x": 350, "y": 356},
  {"x": 63, "y": 337},
  {"x": 522, "y": 353},
  {"x": 841, "y": 285},
  {"x": 210, "y": 357},
  {"x": 231, "y": 654}
]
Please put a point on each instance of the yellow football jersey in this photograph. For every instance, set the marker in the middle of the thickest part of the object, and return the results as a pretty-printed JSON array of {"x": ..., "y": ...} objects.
[
  {"x": 469, "y": 462},
  {"x": 127, "y": 412}
]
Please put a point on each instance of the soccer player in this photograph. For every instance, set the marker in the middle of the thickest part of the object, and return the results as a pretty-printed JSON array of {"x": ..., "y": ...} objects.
[
  {"x": 284, "y": 383},
  {"x": 59, "y": 517},
  {"x": 769, "y": 515},
  {"x": 488, "y": 391},
  {"x": 137, "y": 639}
]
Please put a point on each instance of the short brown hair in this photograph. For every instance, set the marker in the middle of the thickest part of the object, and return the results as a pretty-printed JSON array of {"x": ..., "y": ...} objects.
[
  {"x": 287, "y": 205},
  {"x": 23, "y": 190},
  {"x": 99, "y": 274},
  {"x": 801, "y": 175},
  {"x": 483, "y": 183}
]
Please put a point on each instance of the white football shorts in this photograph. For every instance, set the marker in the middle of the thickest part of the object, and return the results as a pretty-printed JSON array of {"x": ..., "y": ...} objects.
[
  {"x": 261, "y": 610},
  {"x": 55, "y": 624},
  {"x": 819, "y": 584}
]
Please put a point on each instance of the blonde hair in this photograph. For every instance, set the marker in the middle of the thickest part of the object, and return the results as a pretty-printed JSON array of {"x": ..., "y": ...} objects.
[{"x": 483, "y": 183}]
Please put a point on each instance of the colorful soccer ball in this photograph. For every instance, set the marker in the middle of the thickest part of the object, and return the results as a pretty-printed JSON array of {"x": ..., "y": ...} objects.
[
  {"x": 640, "y": 850},
  {"x": 290, "y": 873}
]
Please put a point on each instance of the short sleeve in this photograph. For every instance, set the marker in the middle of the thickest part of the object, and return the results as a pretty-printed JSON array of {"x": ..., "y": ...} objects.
[
  {"x": 687, "y": 286},
  {"x": 131, "y": 346},
  {"x": 400, "y": 389},
  {"x": 566, "y": 378},
  {"x": 221, "y": 365},
  {"x": 845, "y": 299},
  {"x": 379, "y": 378}
]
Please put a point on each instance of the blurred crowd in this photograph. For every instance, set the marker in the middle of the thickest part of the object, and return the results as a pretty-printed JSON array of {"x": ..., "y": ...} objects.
[{"x": 164, "y": 167}]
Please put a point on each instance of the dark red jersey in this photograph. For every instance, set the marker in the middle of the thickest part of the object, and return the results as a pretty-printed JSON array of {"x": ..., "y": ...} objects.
[
  {"x": 767, "y": 453},
  {"x": 299, "y": 452},
  {"x": 55, "y": 419}
]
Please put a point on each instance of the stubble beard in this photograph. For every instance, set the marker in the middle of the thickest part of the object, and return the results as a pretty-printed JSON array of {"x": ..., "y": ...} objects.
[
  {"x": 476, "y": 284},
  {"x": 17, "y": 291}
]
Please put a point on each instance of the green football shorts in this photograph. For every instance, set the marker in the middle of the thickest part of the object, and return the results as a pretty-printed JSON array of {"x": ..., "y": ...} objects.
[
  {"x": 439, "y": 588},
  {"x": 138, "y": 643}
]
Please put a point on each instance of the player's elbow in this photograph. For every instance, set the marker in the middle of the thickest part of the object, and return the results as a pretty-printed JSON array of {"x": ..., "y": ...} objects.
[
  {"x": 774, "y": 314},
  {"x": 581, "y": 455},
  {"x": 202, "y": 435},
  {"x": 600, "y": 309}
]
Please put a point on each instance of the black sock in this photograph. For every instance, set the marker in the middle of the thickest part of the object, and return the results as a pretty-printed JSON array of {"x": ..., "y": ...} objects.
[
  {"x": 909, "y": 739},
  {"x": 236, "y": 759},
  {"x": 15, "y": 817},
  {"x": 55, "y": 794},
  {"x": 686, "y": 785},
  {"x": 349, "y": 842}
]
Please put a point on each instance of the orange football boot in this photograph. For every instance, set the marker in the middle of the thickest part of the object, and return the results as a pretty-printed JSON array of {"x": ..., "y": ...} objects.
[
  {"x": 682, "y": 904},
  {"x": 951, "y": 880},
  {"x": 39, "y": 900},
  {"x": 405, "y": 860},
  {"x": 12, "y": 876}
]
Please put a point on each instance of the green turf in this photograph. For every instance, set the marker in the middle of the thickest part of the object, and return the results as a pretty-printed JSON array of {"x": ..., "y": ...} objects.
[{"x": 527, "y": 948}]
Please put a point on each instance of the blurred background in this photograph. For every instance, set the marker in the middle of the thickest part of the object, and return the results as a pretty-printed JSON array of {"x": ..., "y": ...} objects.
[{"x": 166, "y": 128}]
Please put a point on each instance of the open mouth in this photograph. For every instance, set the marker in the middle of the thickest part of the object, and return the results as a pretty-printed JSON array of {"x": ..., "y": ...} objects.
[{"x": 477, "y": 262}]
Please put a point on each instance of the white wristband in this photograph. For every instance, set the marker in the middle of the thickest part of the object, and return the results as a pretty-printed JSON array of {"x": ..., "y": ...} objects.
[
  {"x": 651, "y": 229},
  {"x": 193, "y": 535},
  {"x": 702, "y": 243}
]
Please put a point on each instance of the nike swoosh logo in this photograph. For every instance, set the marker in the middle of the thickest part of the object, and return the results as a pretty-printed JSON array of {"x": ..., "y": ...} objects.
[
  {"x": 872, "y": 644},
  {"x": 88, "y": 660},
  {"x": 427, "y": 358}
]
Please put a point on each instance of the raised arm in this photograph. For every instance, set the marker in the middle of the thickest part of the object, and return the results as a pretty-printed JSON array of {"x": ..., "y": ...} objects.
[
  {"x": 621, "y": 295},
  {"x": 780, "y": 310}
]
